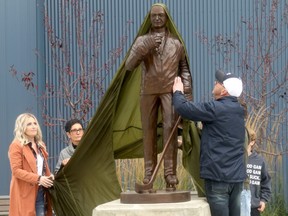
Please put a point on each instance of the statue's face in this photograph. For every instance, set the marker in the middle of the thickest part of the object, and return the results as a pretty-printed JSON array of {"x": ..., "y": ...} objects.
[{"x": 158, "y": 17}]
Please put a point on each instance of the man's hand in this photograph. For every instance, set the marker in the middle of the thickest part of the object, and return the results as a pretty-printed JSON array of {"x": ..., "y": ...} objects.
[
  {"x": 178, "y": 85},
  {"x": 261, "y": 207}
]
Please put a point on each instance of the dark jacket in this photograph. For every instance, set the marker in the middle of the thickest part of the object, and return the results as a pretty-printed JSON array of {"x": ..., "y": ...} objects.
[
  {"x": 223, "y": 136},
  {"x": 260, "y": 180}
]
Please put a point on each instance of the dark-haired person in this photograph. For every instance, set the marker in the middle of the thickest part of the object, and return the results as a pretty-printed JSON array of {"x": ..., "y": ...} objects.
[
  {"x": 30, "y": 171},
  {"x": 222, "y": 141},
  {"x": 74, "y": 130}
]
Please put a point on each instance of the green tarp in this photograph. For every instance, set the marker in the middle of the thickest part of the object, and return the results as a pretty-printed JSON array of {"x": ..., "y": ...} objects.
[{"x": 89, "y": 179}]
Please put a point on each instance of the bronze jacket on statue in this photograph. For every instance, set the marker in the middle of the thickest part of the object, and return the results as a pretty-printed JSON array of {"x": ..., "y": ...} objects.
[{"x": 159, "y": 68}]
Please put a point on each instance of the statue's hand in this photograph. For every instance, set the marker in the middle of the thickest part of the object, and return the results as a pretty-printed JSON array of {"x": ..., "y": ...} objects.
[
  {"x": 188, "y": 93},
  {"x": 151, "y": 42},
  {"x": 158, "y": 40}
]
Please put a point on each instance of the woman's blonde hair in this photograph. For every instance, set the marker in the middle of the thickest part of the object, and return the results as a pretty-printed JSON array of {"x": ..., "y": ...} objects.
[{"x": 20, "y": 128}]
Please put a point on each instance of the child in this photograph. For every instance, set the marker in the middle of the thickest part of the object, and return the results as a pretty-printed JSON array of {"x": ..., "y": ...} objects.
[{"x": 260, "y": 180}]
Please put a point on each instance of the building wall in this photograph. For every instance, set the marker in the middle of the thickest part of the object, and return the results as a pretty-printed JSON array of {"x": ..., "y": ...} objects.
[
  {"x": 19, "y": 38},
  {"x": 190, "y": 17},
  {"x": 23, "y": 27}
]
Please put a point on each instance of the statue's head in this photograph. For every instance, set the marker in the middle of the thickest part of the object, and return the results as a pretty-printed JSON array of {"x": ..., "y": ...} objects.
[{"x": 158, "y": 16}]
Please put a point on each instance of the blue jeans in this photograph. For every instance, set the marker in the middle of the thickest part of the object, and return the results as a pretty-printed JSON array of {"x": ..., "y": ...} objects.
[
  {"x": 40, "y": 202},
  {"x": 223, "y": 198},
  {"x": 246, "y": 203}
]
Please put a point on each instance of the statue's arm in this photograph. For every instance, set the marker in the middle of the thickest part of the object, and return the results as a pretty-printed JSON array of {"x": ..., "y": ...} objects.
[
  {"x": 185, "y": 76},
  {"x": 141, "y": 48}
]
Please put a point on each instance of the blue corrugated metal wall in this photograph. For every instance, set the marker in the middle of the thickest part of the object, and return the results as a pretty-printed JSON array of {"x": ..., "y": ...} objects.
[
  {"x": 192, "y": 18},
  {"x": 18, "y": 40}
]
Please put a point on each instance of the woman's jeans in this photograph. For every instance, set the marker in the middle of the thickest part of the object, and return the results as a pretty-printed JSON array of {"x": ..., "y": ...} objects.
[
  {"x": 40, "y": 202},
  {"x": 223, "y": 197},
  {"x": 246, "y": 203}
]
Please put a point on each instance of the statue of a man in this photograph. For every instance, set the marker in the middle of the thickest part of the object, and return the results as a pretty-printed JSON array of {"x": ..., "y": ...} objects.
[{"x": 162, "y": 56}]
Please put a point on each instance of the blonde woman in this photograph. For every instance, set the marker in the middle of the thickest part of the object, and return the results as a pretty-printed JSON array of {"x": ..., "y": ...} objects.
[{"x": 30, "y": 172}]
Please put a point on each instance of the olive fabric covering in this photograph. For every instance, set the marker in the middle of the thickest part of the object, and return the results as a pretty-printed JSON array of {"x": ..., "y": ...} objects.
[
  {"x": 115, "y": 131},
  {"x": 191, "y": 154}
]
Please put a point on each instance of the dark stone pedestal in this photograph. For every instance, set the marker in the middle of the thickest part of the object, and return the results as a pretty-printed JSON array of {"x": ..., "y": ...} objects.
[{"x": 155, "y": 197}]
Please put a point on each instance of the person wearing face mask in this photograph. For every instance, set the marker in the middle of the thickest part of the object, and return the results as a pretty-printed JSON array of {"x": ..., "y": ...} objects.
[
  {"x": 74, "y": 130},
  {"x": 31, "y": 175}
]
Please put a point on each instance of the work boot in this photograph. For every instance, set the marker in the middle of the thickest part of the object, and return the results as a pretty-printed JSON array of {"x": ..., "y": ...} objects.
[
  {"x": 149, "y": 169},
  {"x": 146, "y": 179},
  {"x": 171, "y": 182}
]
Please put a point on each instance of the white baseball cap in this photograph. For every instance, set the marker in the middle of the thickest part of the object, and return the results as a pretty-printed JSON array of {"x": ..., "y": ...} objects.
[{"x": 231, "y": 82}]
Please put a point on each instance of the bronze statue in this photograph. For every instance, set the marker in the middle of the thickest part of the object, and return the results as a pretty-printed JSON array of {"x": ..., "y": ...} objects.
[{"x": 162, "y": 56}]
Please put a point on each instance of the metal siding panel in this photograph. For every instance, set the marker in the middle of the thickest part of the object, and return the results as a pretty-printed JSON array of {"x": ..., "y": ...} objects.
[
  {"x": 17, "y": 42},
  {"x": 191, "y": 18}
]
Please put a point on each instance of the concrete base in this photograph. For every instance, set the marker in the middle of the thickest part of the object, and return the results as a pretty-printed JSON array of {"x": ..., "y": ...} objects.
[{"x": 196, "y": 207}]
